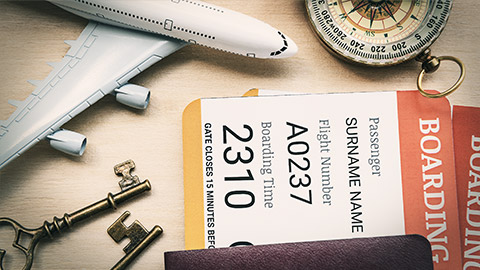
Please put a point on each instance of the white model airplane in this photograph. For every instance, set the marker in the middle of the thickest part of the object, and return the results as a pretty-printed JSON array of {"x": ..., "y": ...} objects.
[{"x": 122, "y": 39}]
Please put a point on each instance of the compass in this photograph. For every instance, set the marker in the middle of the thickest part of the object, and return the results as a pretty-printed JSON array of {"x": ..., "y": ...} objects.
[{"x": 383, "y": 32}]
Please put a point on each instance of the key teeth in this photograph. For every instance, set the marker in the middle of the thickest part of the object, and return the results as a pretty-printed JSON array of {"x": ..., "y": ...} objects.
[
  {"x": 124, "y": 216},
  {"x": 114, "y": 231},
  {"x": 125, "y": 168},
  {"x": 121, "y": 167}
]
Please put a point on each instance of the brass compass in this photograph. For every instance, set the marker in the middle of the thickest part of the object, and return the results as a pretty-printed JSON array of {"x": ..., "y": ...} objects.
[{"x": 384, "y": 32}]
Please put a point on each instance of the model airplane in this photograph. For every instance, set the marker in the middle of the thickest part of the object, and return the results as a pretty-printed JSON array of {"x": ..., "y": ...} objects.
[{"x": 122, "y": 39}]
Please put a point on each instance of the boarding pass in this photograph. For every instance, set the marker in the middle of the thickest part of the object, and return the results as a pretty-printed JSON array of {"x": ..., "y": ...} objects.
[{"x": 288, "y": 168}]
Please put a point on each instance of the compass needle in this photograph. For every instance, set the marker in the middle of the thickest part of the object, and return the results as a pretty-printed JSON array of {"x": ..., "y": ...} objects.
[
  {"x": 372, "y": 17},
  {"x": 359, "y": 6},
  {"x": 388, "y": 10}
]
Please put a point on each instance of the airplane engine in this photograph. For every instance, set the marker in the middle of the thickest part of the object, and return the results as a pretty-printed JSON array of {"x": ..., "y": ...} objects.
[
  {"x": 133, "y": 95},
  {"x": 68, "y": 142}
]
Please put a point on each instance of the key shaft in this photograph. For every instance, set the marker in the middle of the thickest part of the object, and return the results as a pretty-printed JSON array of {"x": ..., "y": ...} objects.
[{"x": 58, "y": 225}]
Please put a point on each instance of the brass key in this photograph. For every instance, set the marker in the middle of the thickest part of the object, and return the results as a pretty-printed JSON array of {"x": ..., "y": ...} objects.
[{"x": 58, "y": 225}]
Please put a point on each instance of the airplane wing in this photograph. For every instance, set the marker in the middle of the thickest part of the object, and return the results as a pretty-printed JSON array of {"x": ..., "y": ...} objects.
[{"x": 99, "y": 62}]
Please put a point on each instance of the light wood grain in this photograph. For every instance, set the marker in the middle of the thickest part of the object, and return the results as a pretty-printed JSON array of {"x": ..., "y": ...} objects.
[{"x": 43, "y": 182}]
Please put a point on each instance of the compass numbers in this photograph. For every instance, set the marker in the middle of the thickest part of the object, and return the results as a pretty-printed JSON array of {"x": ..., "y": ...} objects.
[
  {"x": 399, "y": 46},
  {"x": 378, "y": 32},
  {"x": 378, "y": 49},
  {"x": 334, "y": 28},
  {"x": 432, "y": 22},
  {"x": 357, "y": 45}
]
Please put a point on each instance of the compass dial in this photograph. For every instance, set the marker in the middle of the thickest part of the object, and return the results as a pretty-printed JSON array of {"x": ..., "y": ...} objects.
[{"x": 378, "y": 32}]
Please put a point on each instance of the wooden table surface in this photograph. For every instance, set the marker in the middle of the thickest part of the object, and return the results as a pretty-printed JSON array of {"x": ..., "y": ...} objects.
[{"x": 43, "y": 183}]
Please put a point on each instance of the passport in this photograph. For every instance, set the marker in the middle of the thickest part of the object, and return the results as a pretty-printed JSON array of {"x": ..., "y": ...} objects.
[{"x": 392, "y": 252}]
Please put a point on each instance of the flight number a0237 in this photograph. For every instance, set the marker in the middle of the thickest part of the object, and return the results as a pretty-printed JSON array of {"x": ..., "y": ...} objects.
[{"x": 299, "y": 164}]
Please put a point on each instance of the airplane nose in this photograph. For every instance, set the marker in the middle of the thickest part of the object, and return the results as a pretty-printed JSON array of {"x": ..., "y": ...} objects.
[
  {"x": 292, "y": 48},
  {"x": 288, "y": 47}
]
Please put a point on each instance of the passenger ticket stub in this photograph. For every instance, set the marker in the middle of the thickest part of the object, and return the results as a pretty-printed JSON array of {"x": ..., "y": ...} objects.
[
  {"x": 466, "y": 121},
  {"x": 289, "y": 168}
]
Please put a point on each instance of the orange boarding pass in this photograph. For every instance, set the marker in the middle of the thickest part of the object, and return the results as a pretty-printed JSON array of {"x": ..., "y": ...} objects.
[
  {"x": 466, "y": 132},
  {"x": 291, "y": 168}
]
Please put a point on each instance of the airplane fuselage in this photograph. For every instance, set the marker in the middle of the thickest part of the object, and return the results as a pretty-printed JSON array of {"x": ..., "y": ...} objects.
[{"x": 194, "y": 22}]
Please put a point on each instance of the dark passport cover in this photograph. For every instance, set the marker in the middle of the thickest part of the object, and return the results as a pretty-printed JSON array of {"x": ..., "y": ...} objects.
[{"x": 390, "y": 252}]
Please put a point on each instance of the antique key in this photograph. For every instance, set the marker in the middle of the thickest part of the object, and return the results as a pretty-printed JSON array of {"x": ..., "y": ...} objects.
[{"x": 59, "y": 225}]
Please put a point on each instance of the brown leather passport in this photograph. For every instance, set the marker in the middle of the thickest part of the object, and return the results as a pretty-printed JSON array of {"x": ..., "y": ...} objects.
[{"x": 390, "y": 252}]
